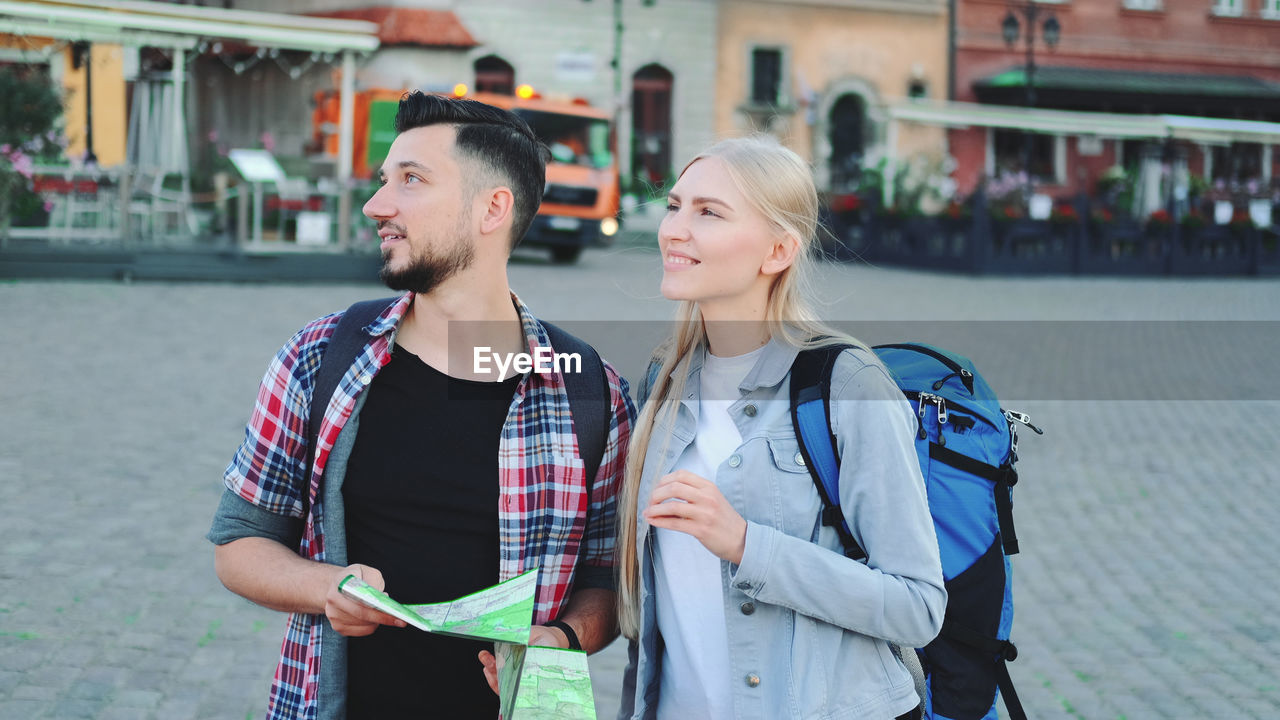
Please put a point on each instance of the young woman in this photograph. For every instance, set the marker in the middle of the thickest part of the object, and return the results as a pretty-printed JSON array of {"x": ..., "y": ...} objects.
[{"x": 738, "y": 601}]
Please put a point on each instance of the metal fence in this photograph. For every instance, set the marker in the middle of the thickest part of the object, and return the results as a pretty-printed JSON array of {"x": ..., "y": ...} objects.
[{"x": 974, "y": 240}]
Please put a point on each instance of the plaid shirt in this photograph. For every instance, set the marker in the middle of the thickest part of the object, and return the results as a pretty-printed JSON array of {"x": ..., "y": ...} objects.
[{"x": 542, "y": 506}]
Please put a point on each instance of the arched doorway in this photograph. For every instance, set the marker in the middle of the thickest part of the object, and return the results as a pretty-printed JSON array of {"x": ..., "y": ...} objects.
[
  {"x": 651, "y": 125},
  {"x": 847, "y": 123},
  {"x": 495, "y": 75}
]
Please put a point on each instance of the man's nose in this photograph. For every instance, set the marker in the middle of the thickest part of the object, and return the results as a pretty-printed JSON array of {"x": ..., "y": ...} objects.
[{"x": 379, "y": 207}]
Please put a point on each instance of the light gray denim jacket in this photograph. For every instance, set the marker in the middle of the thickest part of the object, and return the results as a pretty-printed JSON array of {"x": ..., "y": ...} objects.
[{"x": 809, "y": 629}]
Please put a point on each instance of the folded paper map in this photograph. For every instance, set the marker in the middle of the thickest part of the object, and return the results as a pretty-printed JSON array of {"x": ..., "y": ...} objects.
[{"x": 533, "y": 682}]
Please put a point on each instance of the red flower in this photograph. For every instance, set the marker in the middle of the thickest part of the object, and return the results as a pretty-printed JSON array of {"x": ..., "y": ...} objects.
[
  {"x": 846, "y": 203},
  {"x": 1160, "y": 217}
]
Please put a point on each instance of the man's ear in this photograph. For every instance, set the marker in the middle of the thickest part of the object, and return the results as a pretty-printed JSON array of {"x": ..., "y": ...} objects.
[
  {"x": 497, "y": 207},
  {"x": 782, "y": 254}
]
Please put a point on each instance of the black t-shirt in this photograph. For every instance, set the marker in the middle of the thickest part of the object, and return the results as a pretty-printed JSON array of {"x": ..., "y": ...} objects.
[{"x": 421, "y": 496}]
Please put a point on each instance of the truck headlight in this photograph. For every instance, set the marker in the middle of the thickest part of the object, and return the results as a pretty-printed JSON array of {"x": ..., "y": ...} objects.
[{"x": 609, "y": 226}]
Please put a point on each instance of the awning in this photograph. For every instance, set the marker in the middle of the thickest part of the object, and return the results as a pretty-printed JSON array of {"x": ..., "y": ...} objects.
[
  {"x": 157, "y": 24},
  {"x": 1124, "y": 90},
  {"x": 1069, "y": 122}
]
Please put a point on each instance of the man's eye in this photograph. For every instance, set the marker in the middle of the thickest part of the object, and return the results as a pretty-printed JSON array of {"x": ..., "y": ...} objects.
[{"x": 412, "y": 179}]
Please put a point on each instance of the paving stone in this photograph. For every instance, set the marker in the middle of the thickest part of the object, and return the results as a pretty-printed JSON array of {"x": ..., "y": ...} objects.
[{"x": 1144, "y": 589}]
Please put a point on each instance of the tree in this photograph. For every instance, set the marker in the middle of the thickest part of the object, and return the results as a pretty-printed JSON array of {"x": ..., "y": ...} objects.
[{"x": 31, "y": 108}]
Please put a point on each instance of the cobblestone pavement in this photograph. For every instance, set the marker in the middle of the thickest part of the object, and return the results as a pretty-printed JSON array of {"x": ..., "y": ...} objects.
[{"x": 1145, "y": 589}]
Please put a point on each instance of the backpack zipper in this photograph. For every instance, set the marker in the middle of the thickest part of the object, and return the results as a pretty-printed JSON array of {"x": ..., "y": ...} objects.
[
  {"x": 940, "y": 403},
  {"x": 965, "y": 376},
  {"x": 919, "y": 397}
]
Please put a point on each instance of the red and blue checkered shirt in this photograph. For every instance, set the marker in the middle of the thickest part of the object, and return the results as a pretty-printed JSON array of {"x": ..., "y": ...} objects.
[{"x": 543, "y": 509}]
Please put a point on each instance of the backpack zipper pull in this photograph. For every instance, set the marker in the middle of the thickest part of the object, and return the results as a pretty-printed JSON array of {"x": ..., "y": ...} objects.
[
  {"x": 921, "y": 433},
  {"x": 941, "y": 402},
  {"x": 1023, "y": 418},
  {"x": 965, "y": 376}
]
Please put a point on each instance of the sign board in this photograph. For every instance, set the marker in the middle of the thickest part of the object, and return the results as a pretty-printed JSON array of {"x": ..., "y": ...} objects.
[
  {"x": 313, "y": 228},
  {"x": 256, "y": 166},
  {"x": 1089, "y": 145},
  {"x": 576, "y": 66}
]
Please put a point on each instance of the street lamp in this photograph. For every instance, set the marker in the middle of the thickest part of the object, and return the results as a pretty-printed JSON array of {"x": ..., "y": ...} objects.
[{"x": 1051, "y": 31}]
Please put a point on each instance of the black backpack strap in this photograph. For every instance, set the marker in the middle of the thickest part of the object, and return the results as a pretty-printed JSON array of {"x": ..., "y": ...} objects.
[
  {"x": 1002, "y": 651},
  {"x": 589, "y": 400},
  {"x": 1004, "y": 477},
  {"x": 345, "y": 345},
  {"x": 810, "y": 416}
]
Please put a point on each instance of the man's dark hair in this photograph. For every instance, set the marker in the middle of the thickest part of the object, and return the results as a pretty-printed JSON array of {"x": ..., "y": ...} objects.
[{"x": 497, "y": 140}]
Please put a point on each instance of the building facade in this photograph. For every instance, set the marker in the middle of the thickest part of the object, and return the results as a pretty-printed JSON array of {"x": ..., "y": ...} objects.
[
  {"x": 660, "y": 91},
  {"x": 1215, "y": 59},
  {"x": 820, "y": 73}
]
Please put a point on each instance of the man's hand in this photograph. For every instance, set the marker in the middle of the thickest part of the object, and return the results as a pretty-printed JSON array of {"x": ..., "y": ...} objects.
[
  {"x": 539, "y": 636},
  {"x": 704, "y": 514},
  {"x": 349, "y": 616}
]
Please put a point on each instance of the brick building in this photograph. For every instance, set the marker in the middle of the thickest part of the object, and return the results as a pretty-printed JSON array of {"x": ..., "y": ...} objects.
[{"x": 1200, "y": 58}]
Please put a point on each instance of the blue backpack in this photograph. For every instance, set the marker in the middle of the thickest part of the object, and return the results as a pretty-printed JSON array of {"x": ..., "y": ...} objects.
[{"x": 967, "y": 446}]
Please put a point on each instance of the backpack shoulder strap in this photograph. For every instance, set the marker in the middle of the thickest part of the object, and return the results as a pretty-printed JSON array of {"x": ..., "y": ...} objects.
[
  {"x": 811, "y": 418},
  {"x": 588, "y": 399},
  {"x": 345, "y": 345}
]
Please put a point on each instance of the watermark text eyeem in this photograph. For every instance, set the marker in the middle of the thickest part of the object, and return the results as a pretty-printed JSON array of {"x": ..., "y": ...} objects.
[{"x": 543, "y": 361}]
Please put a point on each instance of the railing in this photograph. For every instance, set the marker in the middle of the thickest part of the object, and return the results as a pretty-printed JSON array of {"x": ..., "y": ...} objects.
[
  {"x": 133, "y": 209},
  {"x": 975, "y": 241}
]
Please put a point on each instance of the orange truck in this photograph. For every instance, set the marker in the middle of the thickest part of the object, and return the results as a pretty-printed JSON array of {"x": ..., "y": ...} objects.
[{"x": 580, "y": 204}]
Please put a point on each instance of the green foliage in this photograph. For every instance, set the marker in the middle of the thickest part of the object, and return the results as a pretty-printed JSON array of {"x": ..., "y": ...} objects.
[
  {"x": 28, "y": 115},
  {"x": 31, "y": 105}
]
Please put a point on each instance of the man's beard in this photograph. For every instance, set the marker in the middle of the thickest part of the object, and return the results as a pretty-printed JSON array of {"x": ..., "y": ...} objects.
[{"x": 427, "y": 270}]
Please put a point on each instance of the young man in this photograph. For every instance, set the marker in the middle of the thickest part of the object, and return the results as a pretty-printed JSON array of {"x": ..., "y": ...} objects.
[{"x": 432, "y": 478}]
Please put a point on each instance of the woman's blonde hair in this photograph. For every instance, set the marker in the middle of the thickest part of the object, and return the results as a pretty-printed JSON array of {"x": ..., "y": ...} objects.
[{"x": 779, "y": 184}]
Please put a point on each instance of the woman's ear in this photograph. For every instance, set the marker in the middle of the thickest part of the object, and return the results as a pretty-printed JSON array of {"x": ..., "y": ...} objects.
[
  {"x": 782, "y": 254},
  {"x": 496, "y": 209}
]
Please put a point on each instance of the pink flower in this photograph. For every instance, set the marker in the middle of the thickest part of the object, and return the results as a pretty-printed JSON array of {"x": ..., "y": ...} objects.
[
  {"x": 23, "y": 164},
  {"x": 268, "y": 141},
  {"x": 48, "y": 206},
  {"x": 213, "y": 136}
]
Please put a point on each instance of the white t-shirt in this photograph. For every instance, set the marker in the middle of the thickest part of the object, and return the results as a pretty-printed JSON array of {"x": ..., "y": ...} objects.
[{"x": 695, "y": 660}]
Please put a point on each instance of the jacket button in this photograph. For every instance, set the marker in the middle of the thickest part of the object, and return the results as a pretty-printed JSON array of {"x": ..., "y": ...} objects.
[
  {"x": 744, "y": 586},
  {"x": 753, "y": 680},
  {"x": 735, "y": 460},
  {"x": 799, "y": 458},
  {"x": 748, "y": 608},
  {"x": 750, "y": 410}
]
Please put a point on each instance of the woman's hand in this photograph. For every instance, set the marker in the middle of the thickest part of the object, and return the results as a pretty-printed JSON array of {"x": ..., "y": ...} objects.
[{"x": 704, "y": 514}]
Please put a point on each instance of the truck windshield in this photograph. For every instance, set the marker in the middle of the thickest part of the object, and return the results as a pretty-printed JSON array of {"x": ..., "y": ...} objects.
[{"x": 572, "y": 139}]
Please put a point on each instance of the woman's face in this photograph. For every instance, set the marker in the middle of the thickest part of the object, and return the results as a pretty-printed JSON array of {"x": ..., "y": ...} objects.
[{"x": 717, "y": 249}]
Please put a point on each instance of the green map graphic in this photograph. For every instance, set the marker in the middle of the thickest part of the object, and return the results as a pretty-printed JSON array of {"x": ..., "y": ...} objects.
[
  {"x": 555, "y": 685},
  {"x": 535, "y": 682}
]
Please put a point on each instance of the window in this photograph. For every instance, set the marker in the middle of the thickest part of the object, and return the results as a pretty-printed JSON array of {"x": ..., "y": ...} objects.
[
  {"x": 766, "y": 76},
  {"x": 495, "y": 75},
  {"x": 1143, "y": 4},
  {"x": 1231, "y": 8},
  {"x": 1010, "y": 148},
  {"x": 1270, "y": 9}
]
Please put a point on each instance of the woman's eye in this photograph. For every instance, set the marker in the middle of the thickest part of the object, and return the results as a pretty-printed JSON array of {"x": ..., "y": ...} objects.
[
  {"x": 672, "y": 207},
  {"x": 709, "y": 211}
]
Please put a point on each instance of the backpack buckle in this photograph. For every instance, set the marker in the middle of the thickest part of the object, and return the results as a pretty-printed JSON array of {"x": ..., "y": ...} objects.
[{"x": 831, "y": 516}]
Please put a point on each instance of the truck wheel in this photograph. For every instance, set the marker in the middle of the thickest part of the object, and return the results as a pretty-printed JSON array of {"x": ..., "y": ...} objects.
[{"x": 565, "y": 255}]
